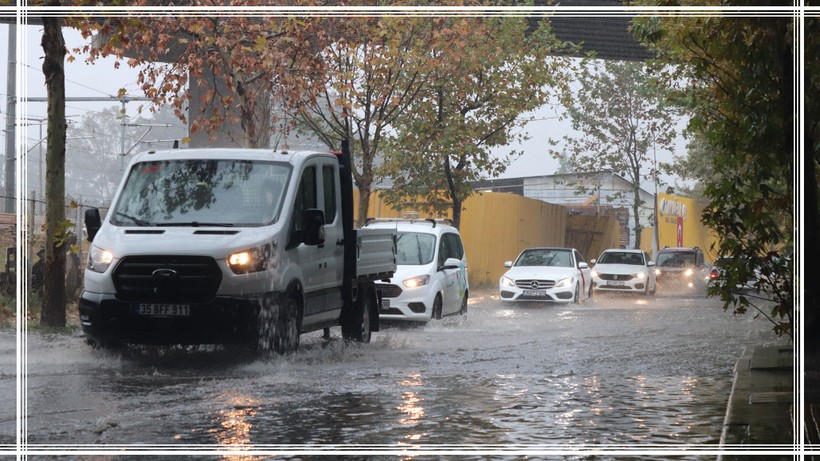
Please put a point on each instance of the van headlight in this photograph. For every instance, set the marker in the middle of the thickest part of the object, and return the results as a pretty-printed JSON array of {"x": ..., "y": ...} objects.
[
  {"x": 689, "y": 272},
  {"x": 507, "y": 282},
  {"x": 564, "y": 282},
  {"x": 415, "y": 282},
  {"x": 253, "y": 260},
  {"x": 99, "y": 260}
]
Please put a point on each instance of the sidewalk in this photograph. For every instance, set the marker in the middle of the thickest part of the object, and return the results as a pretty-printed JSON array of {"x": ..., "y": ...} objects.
[{"x": 760, "y": 408}]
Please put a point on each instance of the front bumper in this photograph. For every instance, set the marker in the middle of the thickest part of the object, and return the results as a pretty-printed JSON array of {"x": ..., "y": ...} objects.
[
  {"x": 625, "y": 284},
  {"x": 415, "y": 305},
  {"x": 223, "y": 320},
  {"x": 560, "y": 295}
]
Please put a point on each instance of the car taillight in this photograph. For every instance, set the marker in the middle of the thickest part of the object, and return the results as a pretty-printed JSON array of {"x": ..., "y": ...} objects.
[{"x": 713, "y": 275}]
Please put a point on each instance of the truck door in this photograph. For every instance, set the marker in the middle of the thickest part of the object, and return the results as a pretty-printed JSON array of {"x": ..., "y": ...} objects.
[
  {"x": 331, "y": 254},
  {"x": 307, "y": 256}
]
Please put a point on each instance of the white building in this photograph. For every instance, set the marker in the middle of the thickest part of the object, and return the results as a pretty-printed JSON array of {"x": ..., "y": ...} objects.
[{"x": 600, "y": 191}]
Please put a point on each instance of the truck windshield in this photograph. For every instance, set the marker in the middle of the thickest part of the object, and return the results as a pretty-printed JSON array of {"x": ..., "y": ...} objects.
[
  {"x": 223, "y": 193},
  {"x": 415, "y": 248}
]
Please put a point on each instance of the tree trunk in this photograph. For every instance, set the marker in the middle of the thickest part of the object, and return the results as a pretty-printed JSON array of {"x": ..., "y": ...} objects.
[
  {"x": 636, "y": 207},
  {"x": 54, "y": 301}
]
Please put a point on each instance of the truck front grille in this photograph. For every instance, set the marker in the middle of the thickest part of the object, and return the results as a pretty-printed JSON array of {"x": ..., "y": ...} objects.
[{"x": 190, "y": 279}]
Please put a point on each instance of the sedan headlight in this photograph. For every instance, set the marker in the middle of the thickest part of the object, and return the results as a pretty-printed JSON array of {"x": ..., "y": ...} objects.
[
  {"x": 507, "y": 282},
  {"x": 593, "y": 273},
  {"x": 252, "y": 260},
  {"x": 640, "y": 275},
  {"x": 415, "y": 282},
  {"x": 99, "y": 259},
  {"x": 564, "y": 282}
]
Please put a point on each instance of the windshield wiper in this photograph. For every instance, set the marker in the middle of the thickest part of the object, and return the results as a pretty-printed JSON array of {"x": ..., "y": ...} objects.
[
  {"x": 194, "y": 224},
  {"x": 136, "y": 220}
]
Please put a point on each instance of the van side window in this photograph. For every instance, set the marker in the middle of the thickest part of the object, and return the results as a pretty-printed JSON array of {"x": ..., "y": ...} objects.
[
  {"x": 329, "y": 182},
  {"x": 450, "y": 247}
]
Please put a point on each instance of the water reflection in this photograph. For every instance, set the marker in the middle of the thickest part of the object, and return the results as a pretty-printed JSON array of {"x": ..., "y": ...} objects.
[
  {"x": 233, "y": 427},
  {"x": 410, "y": 405}
]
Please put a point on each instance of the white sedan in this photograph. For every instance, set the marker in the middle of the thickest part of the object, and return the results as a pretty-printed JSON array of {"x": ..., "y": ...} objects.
[
  {"x": 546, "y": 274},
  {"x": 630, "y": 271}
]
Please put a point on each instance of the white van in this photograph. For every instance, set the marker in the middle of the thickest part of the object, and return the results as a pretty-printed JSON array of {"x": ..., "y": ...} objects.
[{"x": 431, "y": 271}]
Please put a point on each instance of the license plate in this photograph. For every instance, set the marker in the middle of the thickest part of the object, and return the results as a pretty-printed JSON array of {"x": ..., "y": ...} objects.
[
  {"x": 615, "y": 284},
  {"x": 164, "y": 310},
  {"x": 385, "y": 304},
  {"x": 535, "y": 293}
]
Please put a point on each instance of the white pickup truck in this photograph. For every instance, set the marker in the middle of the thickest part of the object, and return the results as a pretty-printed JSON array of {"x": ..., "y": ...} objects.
[{"x": 216, "y": 246}]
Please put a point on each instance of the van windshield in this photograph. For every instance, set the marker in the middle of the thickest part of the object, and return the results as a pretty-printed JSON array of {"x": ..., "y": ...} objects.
[
  {"x": 415, "y": 248},
  {"x": 223, "y": 193}
]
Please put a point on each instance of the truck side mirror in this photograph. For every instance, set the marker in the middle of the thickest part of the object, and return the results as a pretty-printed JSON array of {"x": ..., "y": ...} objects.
[
  {"x": 92, "y": 223},
  {"x": 314, "y": 227}
]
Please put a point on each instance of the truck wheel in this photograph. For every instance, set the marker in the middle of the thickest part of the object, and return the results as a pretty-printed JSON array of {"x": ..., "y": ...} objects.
[
  {"x": 356, "y": 320},
  {"x": 286, "y": 330}
]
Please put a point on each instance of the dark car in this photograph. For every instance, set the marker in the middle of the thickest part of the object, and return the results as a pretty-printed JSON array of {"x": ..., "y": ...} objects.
[
  {"x": 681, "y": 268},
  {"x": 726, "y": 265}
]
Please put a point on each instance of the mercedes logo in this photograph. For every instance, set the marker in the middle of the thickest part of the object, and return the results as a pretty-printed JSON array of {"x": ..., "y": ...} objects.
[{"x": 535, "y": 284}]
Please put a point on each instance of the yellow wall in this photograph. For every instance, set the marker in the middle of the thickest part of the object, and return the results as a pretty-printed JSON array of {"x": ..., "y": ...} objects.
[
  {"x": 496, "y": 227},
  {"x": 693, "y": 232}
]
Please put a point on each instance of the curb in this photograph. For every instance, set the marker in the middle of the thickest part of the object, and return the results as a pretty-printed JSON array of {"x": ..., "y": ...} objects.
[{"x": 761, "y": 403}]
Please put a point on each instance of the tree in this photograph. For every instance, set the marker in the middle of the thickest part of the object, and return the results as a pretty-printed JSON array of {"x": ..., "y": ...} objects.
[
  {"x": 623, "y": 120},
  {"x": 93, "y": 157},
  {"x": 489, "y": 73},
  {"x": 738, "y": 75},
  {"x": 375, "y": 70},
  {"x": 245, "y": 63},
  {"x": 53, "y": 312}
]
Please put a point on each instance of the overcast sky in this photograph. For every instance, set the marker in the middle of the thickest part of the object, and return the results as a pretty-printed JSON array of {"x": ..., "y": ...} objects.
[{"x": 102, "y": 80}]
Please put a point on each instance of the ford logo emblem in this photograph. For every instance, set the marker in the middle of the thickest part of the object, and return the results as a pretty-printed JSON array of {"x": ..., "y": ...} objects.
[{"x": 164, "y": 274}]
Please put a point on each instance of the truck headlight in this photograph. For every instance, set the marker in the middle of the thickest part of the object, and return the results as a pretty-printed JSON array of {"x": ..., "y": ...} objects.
[
  {"x": 564, "y": 282},
  {"x": 252, "y": 260},
  {"x": 415, "y": 282},
  {"x": 99, "y": 259},
  {"x": 507, "y": 282}
]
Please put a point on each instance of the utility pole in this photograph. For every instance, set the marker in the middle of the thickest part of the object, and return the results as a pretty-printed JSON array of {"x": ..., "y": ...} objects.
[
  {"x": 655, "y": 235},
  {"x": 11, "y": 115}
]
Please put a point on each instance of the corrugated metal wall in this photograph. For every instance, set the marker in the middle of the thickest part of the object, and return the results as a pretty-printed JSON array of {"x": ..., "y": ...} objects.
[
  {"x": 496, "y": 227},
  {"x": 591, "y": 234}
]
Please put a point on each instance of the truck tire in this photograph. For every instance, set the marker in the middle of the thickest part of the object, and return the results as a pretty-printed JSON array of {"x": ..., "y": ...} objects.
[
  {"x": 277, "y": 324},
  {"x": 286, "y": 330},
  {"x": 356, "y": 319}
]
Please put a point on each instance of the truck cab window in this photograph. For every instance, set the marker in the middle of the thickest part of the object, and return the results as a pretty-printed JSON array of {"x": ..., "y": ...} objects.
[
  {"x": 329, "y": 183},
  {"x": 305, "y": 199}
]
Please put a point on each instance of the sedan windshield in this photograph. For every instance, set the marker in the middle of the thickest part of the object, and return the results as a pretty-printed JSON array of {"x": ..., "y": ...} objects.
[
  {"x": 415, "y": 248},
  {"x": 544, "y": 257},
  {"x": 620, "y": 257},
  {"x": 222, "y": 193}
]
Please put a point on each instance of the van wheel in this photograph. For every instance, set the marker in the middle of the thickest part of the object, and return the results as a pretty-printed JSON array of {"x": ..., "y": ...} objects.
[
  {"x": 356, "y": 320},
  {"x": 286, "y": 329},
  {"x": 437, "y": 308}
]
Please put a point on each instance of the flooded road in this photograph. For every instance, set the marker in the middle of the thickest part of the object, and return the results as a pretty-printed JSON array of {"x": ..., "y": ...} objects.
[{"x": 617, "y": 370}]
